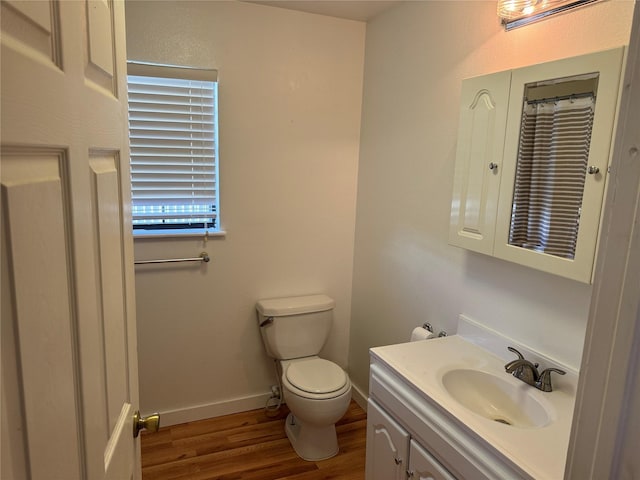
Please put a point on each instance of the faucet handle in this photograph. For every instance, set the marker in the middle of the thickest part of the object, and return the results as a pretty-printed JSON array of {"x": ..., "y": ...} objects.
[
  {"x": 520, "y": 356},
  {"x": 517, "y": 371},
  {"x": 544, "y": 380}
]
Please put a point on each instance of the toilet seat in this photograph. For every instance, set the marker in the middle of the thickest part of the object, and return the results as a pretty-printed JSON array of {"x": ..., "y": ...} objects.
[{"x": 315, "y": 378}]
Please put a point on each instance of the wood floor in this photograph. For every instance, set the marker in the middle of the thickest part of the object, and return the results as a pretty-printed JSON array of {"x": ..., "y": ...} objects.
[{"x": 249, "y": 446}]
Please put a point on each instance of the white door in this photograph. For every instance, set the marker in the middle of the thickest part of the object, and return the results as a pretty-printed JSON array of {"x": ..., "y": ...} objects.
[
  {"x": 69, "y": 365},
  {"x": 387, "y": 446}
]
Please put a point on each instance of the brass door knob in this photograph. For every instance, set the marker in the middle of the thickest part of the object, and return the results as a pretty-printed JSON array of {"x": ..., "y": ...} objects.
[{"x": 150, "y": 422}]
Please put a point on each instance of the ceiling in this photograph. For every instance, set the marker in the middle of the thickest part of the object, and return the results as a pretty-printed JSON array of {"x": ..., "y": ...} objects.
[{"x": 361, "y": 10}]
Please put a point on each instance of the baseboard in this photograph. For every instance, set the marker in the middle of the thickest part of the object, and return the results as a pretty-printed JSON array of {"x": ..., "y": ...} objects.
[
  {"x": 359, "y": 396},
  {"x": 217, "y": 409},
  {"x": 235, "y": 405}
]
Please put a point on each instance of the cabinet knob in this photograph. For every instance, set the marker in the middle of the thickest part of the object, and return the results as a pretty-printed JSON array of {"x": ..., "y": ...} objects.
[
  {"x": 592, "y": 170},
  {"x": 493, "y": 166},
  {"x": 397, "y": 460}
]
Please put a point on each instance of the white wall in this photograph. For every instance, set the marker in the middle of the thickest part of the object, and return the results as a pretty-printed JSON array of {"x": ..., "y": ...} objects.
[
  {"x": 290, "y": 89},
  {"x": 404, "y": 272}
]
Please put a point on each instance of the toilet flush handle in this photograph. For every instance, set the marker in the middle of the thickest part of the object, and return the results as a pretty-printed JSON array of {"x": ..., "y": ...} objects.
[{"x": 266, "y": 321}]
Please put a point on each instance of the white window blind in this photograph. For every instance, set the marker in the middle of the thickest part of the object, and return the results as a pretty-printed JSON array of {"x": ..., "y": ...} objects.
[{"x": 173, "y": 141}]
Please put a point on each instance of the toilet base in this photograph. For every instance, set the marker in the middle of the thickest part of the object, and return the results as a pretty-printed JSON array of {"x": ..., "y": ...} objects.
[{"x": 311, "y": 442}]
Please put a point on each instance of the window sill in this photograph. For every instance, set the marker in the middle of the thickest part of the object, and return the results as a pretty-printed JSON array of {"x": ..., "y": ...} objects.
[{"x": 183, "y": 233}]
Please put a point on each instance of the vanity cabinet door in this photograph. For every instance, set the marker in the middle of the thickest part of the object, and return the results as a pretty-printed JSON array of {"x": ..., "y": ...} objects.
[
  {"x": 387, "y": 446},
  {"x": 478, "y": 167},
  {"x": 422, "y": 465}
]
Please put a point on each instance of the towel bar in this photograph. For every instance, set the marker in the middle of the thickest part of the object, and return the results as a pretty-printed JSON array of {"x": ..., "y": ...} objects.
[{"x": 204, "y": 257}]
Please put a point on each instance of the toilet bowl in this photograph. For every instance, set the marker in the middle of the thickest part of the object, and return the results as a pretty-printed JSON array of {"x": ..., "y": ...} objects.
[
  {"x": 316, "y": 390},
  {"x": 317, "y": 393}
]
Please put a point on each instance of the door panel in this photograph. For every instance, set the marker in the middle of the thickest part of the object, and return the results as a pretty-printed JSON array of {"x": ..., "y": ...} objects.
[
  {"x": 42, "y": 316},
  {"x": 106, "y": 202},
  {"x": 101, "y": 67},
  {"x": 33, "y": 26}
]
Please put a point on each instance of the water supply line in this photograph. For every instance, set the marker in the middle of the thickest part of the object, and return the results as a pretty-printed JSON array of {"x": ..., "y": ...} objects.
[{"x": 274, "y": 402}]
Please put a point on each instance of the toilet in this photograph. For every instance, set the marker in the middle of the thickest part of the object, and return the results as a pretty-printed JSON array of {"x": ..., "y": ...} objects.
[{"x": 317, "y": 391}]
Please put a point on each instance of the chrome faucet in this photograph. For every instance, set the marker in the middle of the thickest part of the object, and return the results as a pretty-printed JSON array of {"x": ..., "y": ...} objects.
[
  {"x": 526, "y": 371},
  {"x": 523, "y": 370}
]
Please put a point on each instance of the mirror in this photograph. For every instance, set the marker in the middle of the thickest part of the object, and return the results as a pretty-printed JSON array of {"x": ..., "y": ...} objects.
[{"x": 552, "y": 164}]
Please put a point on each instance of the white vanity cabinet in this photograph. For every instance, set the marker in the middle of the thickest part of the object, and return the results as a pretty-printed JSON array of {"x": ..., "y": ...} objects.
[
  {"x": 422, "y": 421},
  {"x": 393, "y": 455},
  {"x": 495, "y": 159},
  {"x": 411, "y": 437}
]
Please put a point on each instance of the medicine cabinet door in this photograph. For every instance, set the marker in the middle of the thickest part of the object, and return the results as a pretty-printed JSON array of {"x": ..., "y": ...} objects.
[
  {"x": 483, "y": 119},
  {"x": 556, "y": 155}
]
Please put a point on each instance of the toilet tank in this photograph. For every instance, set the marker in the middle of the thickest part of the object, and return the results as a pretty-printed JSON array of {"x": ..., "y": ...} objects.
[{"x": 294, "y": 327}]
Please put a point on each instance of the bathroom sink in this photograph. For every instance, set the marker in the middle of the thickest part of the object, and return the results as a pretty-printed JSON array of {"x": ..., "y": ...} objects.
[{"x": 496, "y": 398}]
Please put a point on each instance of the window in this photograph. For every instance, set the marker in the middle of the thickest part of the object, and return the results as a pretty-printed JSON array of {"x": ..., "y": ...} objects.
[{"x": 174, "y": 149}]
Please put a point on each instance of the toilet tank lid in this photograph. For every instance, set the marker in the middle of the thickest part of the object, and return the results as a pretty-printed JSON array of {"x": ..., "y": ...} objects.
[{"x": 280, "y": 307}]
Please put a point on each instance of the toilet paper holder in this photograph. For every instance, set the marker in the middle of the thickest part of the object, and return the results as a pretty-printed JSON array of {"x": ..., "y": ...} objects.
[{"x": 427, "y": 326}]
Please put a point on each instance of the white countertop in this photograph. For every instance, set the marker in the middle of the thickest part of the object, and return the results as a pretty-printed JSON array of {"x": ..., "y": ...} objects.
[{"x": 539, "y": 451}]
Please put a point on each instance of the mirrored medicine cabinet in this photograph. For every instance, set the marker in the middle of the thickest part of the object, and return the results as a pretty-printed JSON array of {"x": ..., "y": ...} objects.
[{"x": 533, "y": 151}]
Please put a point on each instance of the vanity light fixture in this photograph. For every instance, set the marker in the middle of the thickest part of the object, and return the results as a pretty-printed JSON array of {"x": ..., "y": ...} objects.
[{"x": 516, "y": 13}]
